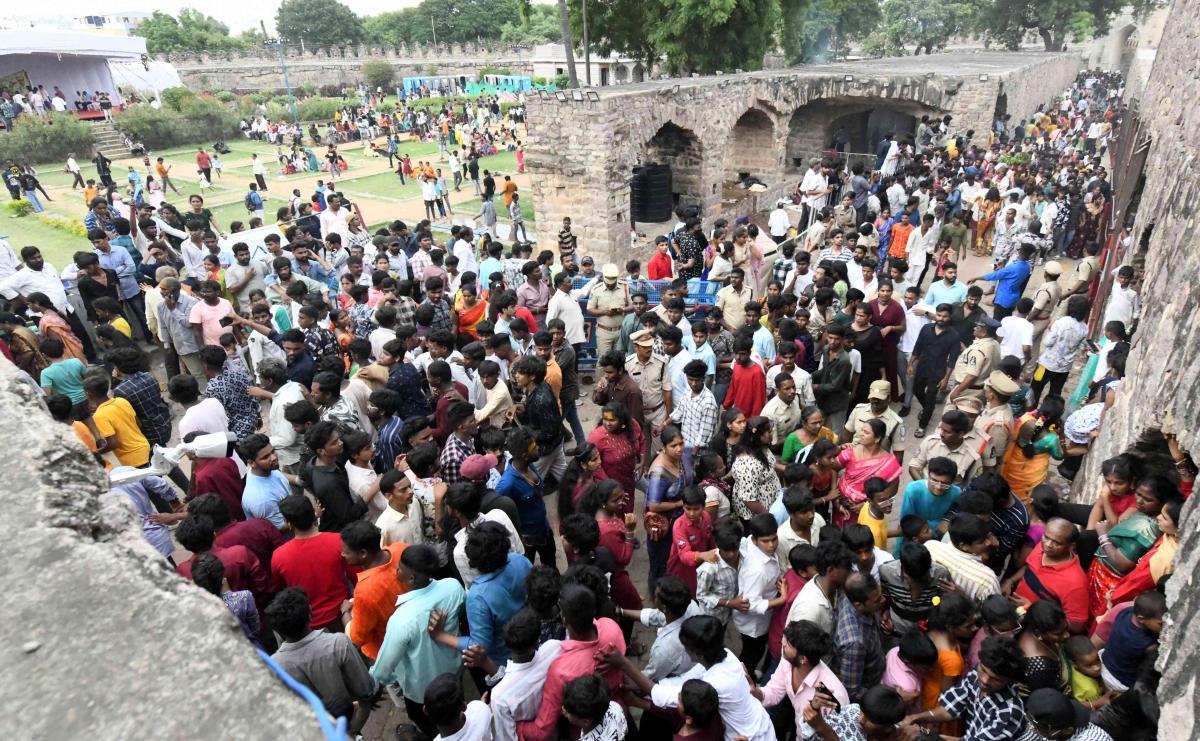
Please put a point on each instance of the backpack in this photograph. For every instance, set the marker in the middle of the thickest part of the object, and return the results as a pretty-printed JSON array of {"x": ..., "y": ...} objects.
[{"x": 249, "y": 203}]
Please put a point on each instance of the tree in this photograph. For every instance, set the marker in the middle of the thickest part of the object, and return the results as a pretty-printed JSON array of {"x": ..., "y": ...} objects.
[
  {"x": 193, "y": 31},
  {"x": 564, "y": 22},
  {"x": 539, "y": 26},
  {"x": 1054, "y": 20},
  {"x": 378, "y": 73},
  {"x": 618, "y": 26},
  {"x": 920, "y": 25},
  {"x": 821, "y": 30},
  {"x": 318, "y": 23},
  {"x": 709, "y": 35}
]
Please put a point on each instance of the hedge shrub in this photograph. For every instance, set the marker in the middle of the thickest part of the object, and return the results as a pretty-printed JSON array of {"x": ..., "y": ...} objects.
[
  {"x": 225, "y": 96},
  {"x": 32, "y": 141},
  {"x": 201, "y": 119},
  {"x": 318, "y": 109},
  {"x": 174, "y": 97}
]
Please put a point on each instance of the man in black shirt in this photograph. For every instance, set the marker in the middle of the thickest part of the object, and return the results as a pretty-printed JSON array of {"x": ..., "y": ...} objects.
[
  {"x": 931, "y": 362},
  {"x": 541, "y": 414}
]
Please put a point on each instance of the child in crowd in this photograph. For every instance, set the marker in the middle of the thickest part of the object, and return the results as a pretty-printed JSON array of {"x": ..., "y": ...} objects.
[
  {"x": 692, "y": 540},
  {"x": 448, "y": 710},
  {"x": 875, "y": 510},
  {"x": 758, "y": 585},
  {"x": 915, "y": 528},
  {"x": 908, "y": 665},
  {"x": 999, "y": 617},
  {"x": 699, "y": 708},
  {"x": 1087, "y": 687},
  {"x": 586, "y": 706},
  {"x": 802, "y": 566},
  {"x": 1134, "y": 634},
  {"x": 716, "y": 596}
]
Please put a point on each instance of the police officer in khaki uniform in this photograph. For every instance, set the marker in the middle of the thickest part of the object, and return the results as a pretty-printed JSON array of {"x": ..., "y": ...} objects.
[
  {"x": 609, "y": 302},
  {"x": 977, "y": 363},
  {"x": 975, "y": 438},
  {"x": 1045, "y": 299},
  {"x": 650, "y": 373},
  {"x": 877, "y": 407},
  {"x": 996, "y": 420},
  {"x": 950, "y": 442}
]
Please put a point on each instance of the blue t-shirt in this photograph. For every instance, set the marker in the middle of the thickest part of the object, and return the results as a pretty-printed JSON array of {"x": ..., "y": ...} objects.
[
  {"x": 262, "y": 495},
  {"x": 704, "y": 353},
  {"x": 1126, "y": 647},
  {"x": 65, "y": 377},
  {"x": 531, "y": 508},
  {"x": 940, "y": 293},
  {"x": 919, "y": 501}
]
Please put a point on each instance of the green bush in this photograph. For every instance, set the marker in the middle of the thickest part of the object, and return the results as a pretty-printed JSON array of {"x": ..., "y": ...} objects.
[
  {"x": 174, "y": 97},
  {"x": 257, "y": 98},
  {"x": 19, "y": 208},
  {"x": 561, "y": 81},
  {"x": 378, "y": 73},
  {"x": 245, "y": 107},
  {"x": 318, "y": 109},
  {"x": 277, "y": 111},
  {"x": 308, "y": 89},
  {"x": 201, "y": 120},
  {"x": 33, "y": 141},
  {"x": 224, "y": 96}
]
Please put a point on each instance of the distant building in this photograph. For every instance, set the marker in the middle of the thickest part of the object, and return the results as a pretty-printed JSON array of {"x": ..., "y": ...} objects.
[
  {"x": 121, "y": 24},
  {"x": 550, "y": 60}
]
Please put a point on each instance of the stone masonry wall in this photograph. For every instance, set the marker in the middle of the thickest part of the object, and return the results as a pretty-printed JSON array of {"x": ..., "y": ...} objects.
[
  {"x": 259, "y": 69},
  {"x": 581, "y": 153},
  {"x": 99, "y": 638},
  {"x": 1161, "y": 393}
]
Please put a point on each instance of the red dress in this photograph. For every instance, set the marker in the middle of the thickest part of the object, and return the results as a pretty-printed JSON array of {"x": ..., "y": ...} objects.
[{"x": 615, "y": 538}]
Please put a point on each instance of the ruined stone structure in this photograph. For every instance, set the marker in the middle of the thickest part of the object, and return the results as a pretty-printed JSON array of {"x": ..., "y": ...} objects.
[
  {"x": 101, "y": 639},
  {"x": 1161, "y": 393},
  {"x": 581, "y": 151}
]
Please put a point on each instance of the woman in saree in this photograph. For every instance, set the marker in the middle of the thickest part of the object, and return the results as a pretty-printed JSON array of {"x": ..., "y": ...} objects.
[
  {"x": 1123, "y": 545},
  {"x": 1037, "y": 440},
  {"x": 470, "y": 310},
  {"x": 54, "y": 325},
  {"x": 865, "y": 459},
  {"x": 888, "y": 315},
  {"x": 606, "y": 502},
  {"x": 582, "y": 471},
  {"x": 1158, "y": 563},
  {"x": 665, "y": 481},
  {"x": 869, "y": 341},
  {"x": 24, "y": 345},
  {"x": 619, "y": 440}
]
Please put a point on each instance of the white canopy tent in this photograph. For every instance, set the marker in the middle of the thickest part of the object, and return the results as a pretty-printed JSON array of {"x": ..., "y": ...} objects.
[{"x": 71, "y": 60}]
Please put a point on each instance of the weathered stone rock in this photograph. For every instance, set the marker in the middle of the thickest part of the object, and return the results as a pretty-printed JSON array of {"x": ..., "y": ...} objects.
[{"x": 99, "y": 638}]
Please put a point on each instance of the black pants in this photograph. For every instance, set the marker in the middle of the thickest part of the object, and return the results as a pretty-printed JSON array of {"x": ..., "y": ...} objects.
[
  {"x": 207, "y": 173},
  {"x": 925, "y": 390},
  {"x": 262, "y": 182},
  {"x": 541, "y": 546},
  {"x": 84, "y": 339},
  {"x": 752, "y": 653},
  {"x": 416, "y": 713},
  {"x": 1054, "y": 380},
  {"x": 137, "y": 305},
  {"x": 171, "y": 362},
  {"x": 999, "y": 312},
  {"x": 78, "y": 181}
]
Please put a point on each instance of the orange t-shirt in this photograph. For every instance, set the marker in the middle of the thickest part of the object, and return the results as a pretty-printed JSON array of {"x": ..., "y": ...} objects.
[
  {"x": 899, "y": 244},
  {"x": 374, "y": 602},
  {"x": 88, "y": 439}
]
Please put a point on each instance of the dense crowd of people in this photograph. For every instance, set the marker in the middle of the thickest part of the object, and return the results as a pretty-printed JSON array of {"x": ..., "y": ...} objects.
[{"x": 410, "y": 457}]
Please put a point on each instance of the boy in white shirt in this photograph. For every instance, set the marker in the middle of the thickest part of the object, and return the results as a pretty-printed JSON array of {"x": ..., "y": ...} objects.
[
  {"x": 758, "y": 585},
  {"x": 455, "y": 718},
  {"x": 1016, "y": 332}
]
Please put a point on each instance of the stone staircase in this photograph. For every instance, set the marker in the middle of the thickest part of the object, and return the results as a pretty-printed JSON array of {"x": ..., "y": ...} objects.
[{"x": 108, "y": 140}]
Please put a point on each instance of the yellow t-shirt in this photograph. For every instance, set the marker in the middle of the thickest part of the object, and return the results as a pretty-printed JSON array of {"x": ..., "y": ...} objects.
[
  {"x": 1085, "y": 688},
  {"x": 116, "y": 417},
  {"x": 878, "y": 527},
  {"x": 121, "y": 325}
]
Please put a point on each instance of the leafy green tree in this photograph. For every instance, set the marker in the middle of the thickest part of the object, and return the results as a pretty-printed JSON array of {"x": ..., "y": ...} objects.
[
  {"x": 192, "y": 31},
  {"x": 318, "y": 23},
  {"x": 378, "y": 73},
  {"x": 709, "y": 35},
  {"x": 919, "y": 25},
  {"x": 618, "y": 26},
  {"x": 821, "y": 30},
  {"x": 1055, "y": 21},
  {"x": 540, "y": 26}
]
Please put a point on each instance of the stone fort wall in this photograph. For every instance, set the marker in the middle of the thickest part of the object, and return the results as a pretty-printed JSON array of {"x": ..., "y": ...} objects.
[
  {"x": 581, "y": 152},
  {"x": 259, "y": 68}
]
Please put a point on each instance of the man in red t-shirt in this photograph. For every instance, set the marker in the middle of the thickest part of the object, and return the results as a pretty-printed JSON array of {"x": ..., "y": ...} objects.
[
  {"x": 313, "y": 561},
  {"x": 659, "y": 267},
  {"x": 204, "y": 162},
  {"x": 1052, "y": 572}
]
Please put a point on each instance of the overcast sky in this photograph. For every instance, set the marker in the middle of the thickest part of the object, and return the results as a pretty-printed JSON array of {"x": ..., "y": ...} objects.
[{"x": 230, "y": 12}]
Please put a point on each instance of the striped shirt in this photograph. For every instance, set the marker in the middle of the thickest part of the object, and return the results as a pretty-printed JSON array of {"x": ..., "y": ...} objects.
[{"x": 968, "y": 571}]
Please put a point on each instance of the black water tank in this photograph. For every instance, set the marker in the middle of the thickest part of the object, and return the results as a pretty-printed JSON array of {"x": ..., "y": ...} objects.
[{"x": 650, "y": 196}]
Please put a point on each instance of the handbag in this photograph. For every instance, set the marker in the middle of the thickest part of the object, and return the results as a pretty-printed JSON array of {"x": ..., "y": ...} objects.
[{"x": 657, "y": 526}]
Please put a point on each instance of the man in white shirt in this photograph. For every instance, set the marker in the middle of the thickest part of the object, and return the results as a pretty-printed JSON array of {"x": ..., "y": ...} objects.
[
  {"x": 517, "y": 686},
  {"x": 564, "y": 306},
  {"x": 1123, "y": 301},
  {"x": 1016, "y": 331},
  {"x": 464, "y": 249},
  {"x": 335, "y": 219},
  {"x": 896, "y": 197},
  {"x": 921, "y": 243},
  {"x": 813, "y": 189},
  {"x": 778, "y": 222},
  {"x": 38, "y": 276},
  {"x": 916, "y": 316}
]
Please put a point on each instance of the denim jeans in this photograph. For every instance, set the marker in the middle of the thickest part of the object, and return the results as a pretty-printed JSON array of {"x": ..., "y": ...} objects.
[{"x": 31, "y": 196}]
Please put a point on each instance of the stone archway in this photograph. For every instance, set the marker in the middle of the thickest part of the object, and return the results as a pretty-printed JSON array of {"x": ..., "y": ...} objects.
[
  {"x": 863, "y": 121},
  {"x": 680, "y": 149},
  {"x": 750, "y": 148},
  {"x": 620, "y": 74},
  {"x": 637, "y": 73}
]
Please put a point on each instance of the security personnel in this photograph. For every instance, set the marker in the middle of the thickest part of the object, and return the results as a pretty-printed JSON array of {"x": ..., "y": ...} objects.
[
  {"x": 1045, "y": 300},
  {"x": 878, "y": 396},
  {"x": 978, "y": 361},
  {"x": 609, "y": 302},
  {"x": 650, "y": 373},
  {"x": 976, "y": 439},
  {"x": 996, "y": 420}
]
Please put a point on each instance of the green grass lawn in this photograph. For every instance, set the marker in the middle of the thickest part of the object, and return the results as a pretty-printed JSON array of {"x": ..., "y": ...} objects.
[
  {"x": 472, "y": 207},
  {"x": 57, "y": 246}
]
